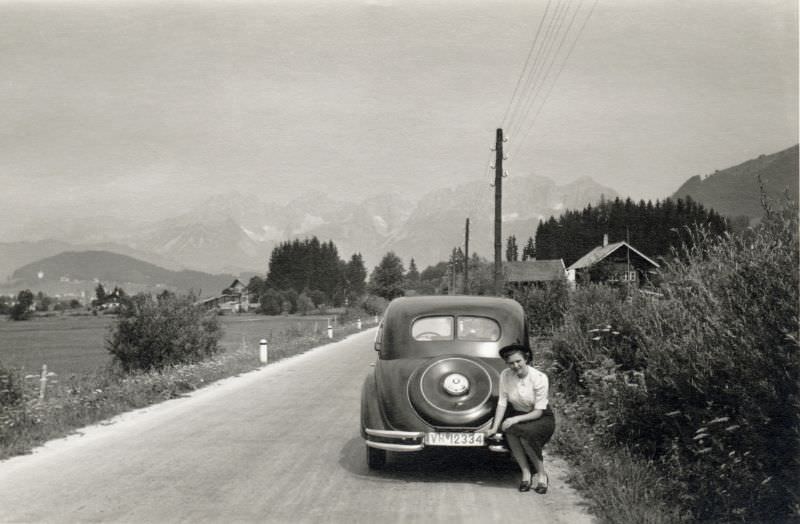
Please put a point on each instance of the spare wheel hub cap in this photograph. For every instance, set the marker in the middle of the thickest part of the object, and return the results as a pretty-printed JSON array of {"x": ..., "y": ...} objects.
[{"x": 456, "y": 384}]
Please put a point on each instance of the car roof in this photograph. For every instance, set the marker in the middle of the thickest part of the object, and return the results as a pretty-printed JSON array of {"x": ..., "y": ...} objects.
[{"x": 433, "y": 304}]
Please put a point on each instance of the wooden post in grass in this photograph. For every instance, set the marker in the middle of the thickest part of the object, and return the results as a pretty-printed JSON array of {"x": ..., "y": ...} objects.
[
  {"x": 263, "y": 351},
  {"x": 43, "y": 382}
]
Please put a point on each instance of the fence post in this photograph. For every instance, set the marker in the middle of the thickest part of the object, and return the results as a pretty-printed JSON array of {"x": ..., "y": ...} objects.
[
  {"x": 43, "y": 382},
  {"x": 262, "y": 349}
]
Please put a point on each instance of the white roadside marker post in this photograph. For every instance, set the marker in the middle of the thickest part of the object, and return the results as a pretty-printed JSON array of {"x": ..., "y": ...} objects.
[
  {"x": 262, "y": 349},
  {"x": 43, "y": 382},
  {"x": 330, "y": 329},
  {"x": 358, "y": 323}
]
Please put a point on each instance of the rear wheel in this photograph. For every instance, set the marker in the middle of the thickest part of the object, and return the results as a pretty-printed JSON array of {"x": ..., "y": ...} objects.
[{"x": 376, "y": 458}]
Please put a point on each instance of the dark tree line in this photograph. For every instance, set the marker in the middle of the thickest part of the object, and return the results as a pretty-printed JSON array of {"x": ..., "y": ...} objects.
[
  {"x": 651, "y": 228},
  {"x": 308, "y": 273}
]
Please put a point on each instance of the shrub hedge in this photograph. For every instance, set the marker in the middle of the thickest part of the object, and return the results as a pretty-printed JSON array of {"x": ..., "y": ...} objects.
[
  {"x": 155, "y": 332},
  {"x": 704, "y": 379}
]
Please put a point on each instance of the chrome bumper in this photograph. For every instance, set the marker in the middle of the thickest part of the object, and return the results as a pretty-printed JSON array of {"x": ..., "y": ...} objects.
[{"x": 405, "y": 441}]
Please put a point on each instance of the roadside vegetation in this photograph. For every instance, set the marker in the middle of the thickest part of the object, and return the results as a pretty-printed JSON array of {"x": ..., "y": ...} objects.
[
  {"x": 685, "y": 405},
  {"x": 162, "y": 348}
]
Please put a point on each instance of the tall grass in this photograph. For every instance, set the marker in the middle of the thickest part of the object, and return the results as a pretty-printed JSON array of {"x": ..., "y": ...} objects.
[{"x": 704, "y": 381}]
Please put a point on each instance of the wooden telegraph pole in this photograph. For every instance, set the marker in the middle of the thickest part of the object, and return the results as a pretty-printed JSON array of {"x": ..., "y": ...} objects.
[
  {"x": 466, "y": 258},
  {"x": 498, "y": 214}
]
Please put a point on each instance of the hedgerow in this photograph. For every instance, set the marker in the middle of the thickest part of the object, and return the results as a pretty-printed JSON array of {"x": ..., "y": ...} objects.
[{"x": 704, "y": 379}]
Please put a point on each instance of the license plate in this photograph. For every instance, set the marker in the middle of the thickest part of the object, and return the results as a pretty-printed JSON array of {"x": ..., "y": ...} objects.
[{"x": 454, "y": 439}]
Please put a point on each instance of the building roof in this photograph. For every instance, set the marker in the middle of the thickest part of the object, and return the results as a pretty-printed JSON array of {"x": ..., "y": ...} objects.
[
  {"x": 600, "y": 252},
  {"x": 534, "y": 270}
]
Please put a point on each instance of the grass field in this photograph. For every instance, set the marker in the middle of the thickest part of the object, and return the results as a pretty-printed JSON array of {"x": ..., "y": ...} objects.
[{"x": 75, "y": 344}]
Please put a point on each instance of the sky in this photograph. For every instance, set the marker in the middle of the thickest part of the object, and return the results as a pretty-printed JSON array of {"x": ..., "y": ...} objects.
[{"x": 143, "y": 109}]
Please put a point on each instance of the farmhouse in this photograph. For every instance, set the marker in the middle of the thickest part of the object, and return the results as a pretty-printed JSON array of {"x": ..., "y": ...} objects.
[
  {"x": 234, "y": 298},
  {"x": 616, "y": 263},
  {"x": 520, "y": 274}
]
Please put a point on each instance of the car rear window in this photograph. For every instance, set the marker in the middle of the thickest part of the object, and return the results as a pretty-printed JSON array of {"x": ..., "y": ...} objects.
[
  {"x": 478, "y": 328},
  {"x": 432, "y": 328}
]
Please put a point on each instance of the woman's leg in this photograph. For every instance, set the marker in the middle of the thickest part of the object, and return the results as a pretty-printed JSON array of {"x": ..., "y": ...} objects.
[
  {"x": 538, "y": 463},
  {"x": 518, "y": 452}
]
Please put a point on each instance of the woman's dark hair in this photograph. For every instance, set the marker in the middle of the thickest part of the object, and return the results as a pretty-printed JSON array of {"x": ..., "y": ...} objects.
[{"x": 525, "y": 351}]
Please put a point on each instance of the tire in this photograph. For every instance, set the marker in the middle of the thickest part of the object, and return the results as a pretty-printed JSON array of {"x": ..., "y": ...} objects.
[
  {"x": 376, "y": 458},
  {"x": 437, "y": 406}
]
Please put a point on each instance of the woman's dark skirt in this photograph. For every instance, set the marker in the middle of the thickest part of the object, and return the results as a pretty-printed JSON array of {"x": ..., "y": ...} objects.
[{"x": 537, "y": 432}]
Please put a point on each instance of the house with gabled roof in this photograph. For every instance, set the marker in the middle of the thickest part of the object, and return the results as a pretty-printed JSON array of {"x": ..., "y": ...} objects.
[
  {"x": 614, "y": 263},
  {"x": 234, "y": 298},
  {"x": 525, "y": 273}
]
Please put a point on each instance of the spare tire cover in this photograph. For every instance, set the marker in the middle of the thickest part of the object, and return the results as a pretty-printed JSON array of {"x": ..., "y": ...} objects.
[{"x": 453, "y": 390}]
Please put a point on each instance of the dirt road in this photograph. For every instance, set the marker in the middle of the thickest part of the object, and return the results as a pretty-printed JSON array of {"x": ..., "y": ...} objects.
[{"x": 280, "y": 444}]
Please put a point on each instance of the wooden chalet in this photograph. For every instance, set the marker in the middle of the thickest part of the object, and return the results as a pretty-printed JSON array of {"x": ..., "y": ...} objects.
[
  {"x": 615, "y": 263},
  {"x": 234, "y": 298}
]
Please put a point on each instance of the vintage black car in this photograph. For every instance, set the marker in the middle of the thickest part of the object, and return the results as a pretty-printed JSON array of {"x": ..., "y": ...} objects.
[{"x": 436, "y": 377}]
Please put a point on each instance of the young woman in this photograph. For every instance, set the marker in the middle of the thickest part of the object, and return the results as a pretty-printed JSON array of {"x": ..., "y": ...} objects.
[{"x": 530, "y": 422}]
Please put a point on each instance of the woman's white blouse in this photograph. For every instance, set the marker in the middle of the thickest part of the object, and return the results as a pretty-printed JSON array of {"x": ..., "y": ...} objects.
[{"x": 526, "y": 393}]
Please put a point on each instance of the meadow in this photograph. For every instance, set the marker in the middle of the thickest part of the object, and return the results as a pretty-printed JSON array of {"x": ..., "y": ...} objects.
[{"x": 76, "y": 344}]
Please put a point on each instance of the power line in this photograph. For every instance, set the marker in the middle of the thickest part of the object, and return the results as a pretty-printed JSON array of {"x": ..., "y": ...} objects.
[
  {"x": 536, "y": 65},
  {"x": 527, "y": 61},
  {"x": 551, "y": 59},
  {"x": 552, "y": 85}
]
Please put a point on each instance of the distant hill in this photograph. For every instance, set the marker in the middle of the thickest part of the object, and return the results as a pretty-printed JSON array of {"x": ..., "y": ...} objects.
[
  {"x": 77, "y": 273},
  {"x": 14, "y": 255},
  {"x": 735, "y": 191}
]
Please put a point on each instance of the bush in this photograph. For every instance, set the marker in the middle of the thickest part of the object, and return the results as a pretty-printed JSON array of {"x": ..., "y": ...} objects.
[
  {"x": 705, "y": 379},
  {"x": 544, "y": 305},
  {"x": 375, "y": 305},
  {"x": 154, "y": 333}
]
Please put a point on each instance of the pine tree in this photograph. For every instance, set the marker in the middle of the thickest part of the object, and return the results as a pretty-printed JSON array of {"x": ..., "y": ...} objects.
[
  {"x": 512, "y": 251},
  {"x": 386, "y": 279},
  {"x": 529, "y": 251},
  {"x": 412, "y": 276}
]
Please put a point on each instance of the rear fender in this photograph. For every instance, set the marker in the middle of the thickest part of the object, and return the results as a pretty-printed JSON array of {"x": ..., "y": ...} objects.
[{"x": 370, "y": 410}]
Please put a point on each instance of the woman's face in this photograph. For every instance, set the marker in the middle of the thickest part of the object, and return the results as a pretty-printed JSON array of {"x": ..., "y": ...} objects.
[{"x": 516, "y": 363}]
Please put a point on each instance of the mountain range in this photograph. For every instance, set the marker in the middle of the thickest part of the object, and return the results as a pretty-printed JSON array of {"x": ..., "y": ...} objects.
[{"x": 236, "y": 233}]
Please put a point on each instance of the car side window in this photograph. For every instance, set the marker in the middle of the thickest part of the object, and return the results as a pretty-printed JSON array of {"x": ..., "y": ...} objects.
[
  {"x": 478, "y": 328},
  {"x": 432, "y": 328}
]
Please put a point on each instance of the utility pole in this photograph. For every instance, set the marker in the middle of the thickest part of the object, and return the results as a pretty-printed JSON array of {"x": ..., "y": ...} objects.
[
  {"x": 466, "y": 258},
  {"x": 452, "y": 286},
  {"x": 498, "y": 214}
]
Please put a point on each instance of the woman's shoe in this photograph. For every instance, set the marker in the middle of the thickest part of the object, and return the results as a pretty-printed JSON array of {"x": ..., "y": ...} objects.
[
  {"x": 525, "y": 485},
  {"x": 541, "y": 487}
]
